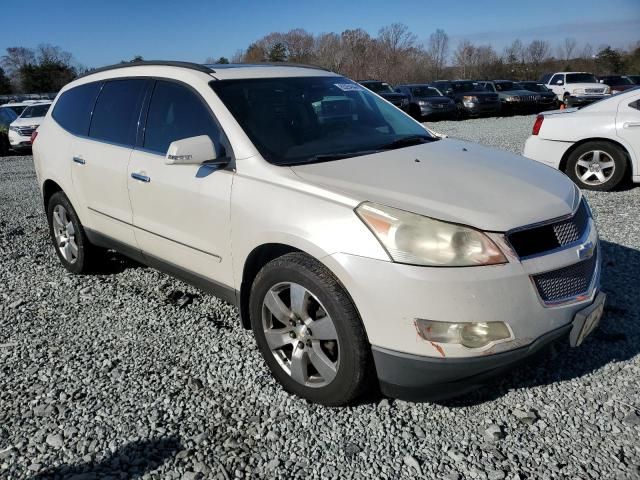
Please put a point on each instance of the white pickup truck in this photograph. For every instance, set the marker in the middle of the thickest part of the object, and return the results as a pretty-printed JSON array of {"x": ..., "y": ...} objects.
[{"x": 575, "y": 88}]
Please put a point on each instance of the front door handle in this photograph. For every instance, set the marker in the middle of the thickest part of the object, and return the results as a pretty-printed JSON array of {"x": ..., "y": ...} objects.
[
  {"x": 630, "y": 124},
  {"x": 79, "y": 160},
  {"x": 140, "y": 177}
]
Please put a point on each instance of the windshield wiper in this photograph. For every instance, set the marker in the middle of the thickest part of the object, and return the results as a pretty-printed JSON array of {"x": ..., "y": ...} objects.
[
  {"x": 408, "y": 141},
  {"x": 327, "y": 157}
]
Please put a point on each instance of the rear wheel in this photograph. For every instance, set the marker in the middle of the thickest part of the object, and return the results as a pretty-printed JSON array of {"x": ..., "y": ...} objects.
[
  {"x": 308, "y": 331},
  {"x": 597, "y": 166},
  {"x": 72, "y": 246}
]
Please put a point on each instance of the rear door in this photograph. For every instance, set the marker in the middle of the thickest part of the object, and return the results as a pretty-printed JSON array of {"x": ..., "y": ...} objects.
[
  {"x": 628, "y": 125},
  {"x": 181, "y": 212},
  {"x": 100, "y": 160}
]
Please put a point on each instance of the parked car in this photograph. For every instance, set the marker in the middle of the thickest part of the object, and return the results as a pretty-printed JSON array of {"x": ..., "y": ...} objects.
[
  {"x": 548, "y": 99},
  {"x": 22, "y": 128},
  {"x": 597, "y": 146},
  {"x": 617, "y": 83},
  {"x": 17, "y": 107},
  {"x": 355, "y": 246},
  {"x": 7, "y": 115},
  {"x": 426, "y": 101},
  {"x": 575, "y": 88},
  {"x": 513, "y": 97},
  {"x": 385, "y": 91},
  {"x": 471, "y": 98}
]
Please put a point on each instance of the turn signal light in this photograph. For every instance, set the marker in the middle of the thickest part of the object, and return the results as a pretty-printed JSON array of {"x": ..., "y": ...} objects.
[
  {"x": 537, "y": 124},
  {"x": 34, "y": 134}
]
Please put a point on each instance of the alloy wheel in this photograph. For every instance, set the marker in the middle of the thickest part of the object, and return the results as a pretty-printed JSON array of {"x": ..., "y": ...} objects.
[
  {"x": 301, "y": 335},
  {"x": 65, "y": 235},
  {"x": 595, "y": 167}
]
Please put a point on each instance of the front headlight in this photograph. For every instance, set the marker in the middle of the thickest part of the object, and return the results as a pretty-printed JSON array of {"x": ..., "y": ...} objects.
[
  {"x": 14, "y": 129},
  {"x": 513, "y": 98},
  {"x": 416, "y": 240},
  {"x": 469, "y": 98},
  {"x": 422, "y": 103},
  {"x": 607, "y": 90},
  {"x": 577, "y": 90}
]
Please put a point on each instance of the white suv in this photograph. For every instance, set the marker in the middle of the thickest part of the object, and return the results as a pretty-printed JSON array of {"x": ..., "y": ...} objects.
[
  {"x": 576, "y": 88},
  {"x": 22, "y": 128},
  {"x": 360, "y": 248}
]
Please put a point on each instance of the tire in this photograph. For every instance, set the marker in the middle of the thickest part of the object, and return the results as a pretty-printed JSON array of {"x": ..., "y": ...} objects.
[
  {"x": 74, "y": 250},
  {"x": 414, "y": 111},
  {"x": 606, "y": 162},
  {"x": 344, "y": 363}
]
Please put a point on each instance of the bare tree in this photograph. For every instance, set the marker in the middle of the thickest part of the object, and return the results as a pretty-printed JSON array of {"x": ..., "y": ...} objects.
[
  {"x": 358, "y": 46},
  {"x": 485, "y": 60},
  {"x": 463, "y": 57},
  {"x": 438, "y": 50},
  {"x": 329, "y": 52},
  {"x": 394, "y": 44},
  {"x": 46, "y": 53},
  {"x": 587, "y": 52},
  {"x": 567, "y": 48},
  {"x": 300, "y": 46}
]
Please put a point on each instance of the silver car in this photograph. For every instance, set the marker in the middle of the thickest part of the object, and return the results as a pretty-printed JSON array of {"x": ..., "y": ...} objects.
[{"x": 360, "y": 248}]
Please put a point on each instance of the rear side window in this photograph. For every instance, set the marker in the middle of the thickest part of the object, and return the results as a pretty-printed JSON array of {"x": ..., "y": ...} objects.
[
  {"x": 73, "y": 108},
  {"x": 176, "y": 113},
  {"x": 115, "y": 117},
  {"x": 557, "y": 77}
]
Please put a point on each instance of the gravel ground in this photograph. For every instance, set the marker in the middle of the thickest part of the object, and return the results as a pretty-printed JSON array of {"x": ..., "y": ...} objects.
[{"x": 122, "y": 375}]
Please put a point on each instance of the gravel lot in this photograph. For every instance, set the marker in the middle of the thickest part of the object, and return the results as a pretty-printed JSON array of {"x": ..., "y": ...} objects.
[{"x": 115, "y": 376}]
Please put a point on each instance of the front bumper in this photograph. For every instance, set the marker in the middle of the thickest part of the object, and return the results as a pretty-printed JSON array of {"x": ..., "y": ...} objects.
[
  {"x": 581, "y": 100},
  {"x": 549, "y": 152},
  {"x": 446, "y": 109},
  {"x": 417, "y": 378},
  {"x": 473, "y": 108},
  {"x": 18, "y": 141}
]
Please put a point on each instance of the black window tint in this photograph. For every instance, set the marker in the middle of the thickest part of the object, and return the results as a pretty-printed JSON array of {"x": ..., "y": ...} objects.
[
  {"x": 176, "y": 113},
  {"x": 115, "y": 117},
  {"x": 635, "y": 104},
  {"x": 555, "y": 79},
  {"x": 73, "y": 108}
]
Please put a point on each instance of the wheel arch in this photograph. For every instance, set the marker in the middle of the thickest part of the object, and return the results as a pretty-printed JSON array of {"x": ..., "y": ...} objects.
[
  {"x": 49, "y": 187},
  {"x": 572, "y": 148}
]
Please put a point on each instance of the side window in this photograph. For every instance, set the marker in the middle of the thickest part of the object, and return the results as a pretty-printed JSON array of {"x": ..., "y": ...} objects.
[
  {"x": 73, "y": 108},
  {"x": 115, "y": 117},
  {"x": 175, "y": 113},
  {"x": 555, "y": 78},
  {"x": 635, "y": 104}
]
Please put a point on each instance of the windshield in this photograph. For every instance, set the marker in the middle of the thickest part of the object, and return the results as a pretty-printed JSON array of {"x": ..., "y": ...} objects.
[
  {"x": 379, "y": 87},
  {"x": 423, "y": 92},
  {"x": 35, "y": 111},
  {"x": 18, "y": 109},
  {"x": 617, "y": 81},
  {"x": 506, "y": 86},
  {"x": 311, "y": 119},
  {"x": 635, "y": 79},
  {"x": 461, "y": 87},
  {"x": 581, "y": 78}
]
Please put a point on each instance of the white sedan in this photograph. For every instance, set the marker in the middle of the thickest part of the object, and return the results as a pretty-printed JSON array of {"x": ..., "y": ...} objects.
[{"x": 597, "y": 146}]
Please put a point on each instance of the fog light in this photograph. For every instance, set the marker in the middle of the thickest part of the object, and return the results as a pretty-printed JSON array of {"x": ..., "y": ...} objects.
[{"x": 470, "y": 335}]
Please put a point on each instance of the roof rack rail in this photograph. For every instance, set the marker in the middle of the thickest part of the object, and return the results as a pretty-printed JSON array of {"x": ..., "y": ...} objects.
[
  {"x": 222, "y": 66},
  {"x": 165, "y": 63}
]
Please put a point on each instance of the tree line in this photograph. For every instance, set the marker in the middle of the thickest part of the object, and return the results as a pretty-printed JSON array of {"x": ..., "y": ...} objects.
[{"x": 395, "y": 55}]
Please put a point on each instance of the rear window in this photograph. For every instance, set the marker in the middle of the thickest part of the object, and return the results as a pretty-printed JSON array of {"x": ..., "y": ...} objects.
[
  {"x": 35, "y": 111},
  {"x": 115, "y": 116},
  {"x": 73, "y": 108}
]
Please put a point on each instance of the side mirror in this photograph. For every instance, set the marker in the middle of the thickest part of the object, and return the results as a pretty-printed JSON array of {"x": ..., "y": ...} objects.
[{"x": 193, "y": 151}]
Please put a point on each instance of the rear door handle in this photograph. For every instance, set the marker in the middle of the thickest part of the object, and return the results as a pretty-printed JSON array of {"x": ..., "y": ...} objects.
[
  {"x": 79, "y": 160},
  {"x": 140, "y": 177},
  {"x": 630, "y": 124}
]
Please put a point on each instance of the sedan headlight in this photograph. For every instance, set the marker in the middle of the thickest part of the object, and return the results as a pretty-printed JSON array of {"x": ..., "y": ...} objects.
[
  {"x": 416, "y": 240},
  {"x": 469, "y": 98},
  {"x": 422, "y": 103},
  {"x": 513, "y": 98}
]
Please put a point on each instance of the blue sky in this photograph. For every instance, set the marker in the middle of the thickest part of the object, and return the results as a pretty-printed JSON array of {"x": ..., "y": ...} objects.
[{"x": 105, "y": 32}]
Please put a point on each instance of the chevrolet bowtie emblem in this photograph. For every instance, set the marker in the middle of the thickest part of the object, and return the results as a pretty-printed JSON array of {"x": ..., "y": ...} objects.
[{"x": 586, "y": 250}]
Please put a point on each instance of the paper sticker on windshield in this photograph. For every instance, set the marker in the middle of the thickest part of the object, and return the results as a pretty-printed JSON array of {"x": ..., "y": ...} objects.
[{"x": 348, "y": 87}]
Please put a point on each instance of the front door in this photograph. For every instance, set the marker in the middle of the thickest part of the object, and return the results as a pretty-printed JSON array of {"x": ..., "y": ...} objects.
[
  {"x": 181, "y": 213},
  {"x": 628, "y": 124}
]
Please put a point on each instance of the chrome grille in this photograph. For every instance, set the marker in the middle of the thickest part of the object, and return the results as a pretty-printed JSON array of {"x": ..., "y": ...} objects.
[
  {"x": 594, "y": 90},
  {"x": 566, "y": 282}
]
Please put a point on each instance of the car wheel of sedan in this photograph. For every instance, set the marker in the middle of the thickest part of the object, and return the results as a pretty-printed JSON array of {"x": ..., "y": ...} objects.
[
  {"x": 72, "y": 246},
  {"x": 309, "y": 331},
  {"x": 597, "y": 166}
]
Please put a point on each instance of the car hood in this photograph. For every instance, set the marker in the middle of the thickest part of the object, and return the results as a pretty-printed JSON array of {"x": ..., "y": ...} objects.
[
  {"x": 25, "y": 122},
  {"x": 520, "y": 93},
  {"x": 452, "y": 180}
]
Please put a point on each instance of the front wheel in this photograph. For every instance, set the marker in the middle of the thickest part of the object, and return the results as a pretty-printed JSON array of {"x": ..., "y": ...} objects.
[
  {"x": 309, "y": 331},
  {"x": 597, "y": 166}
]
